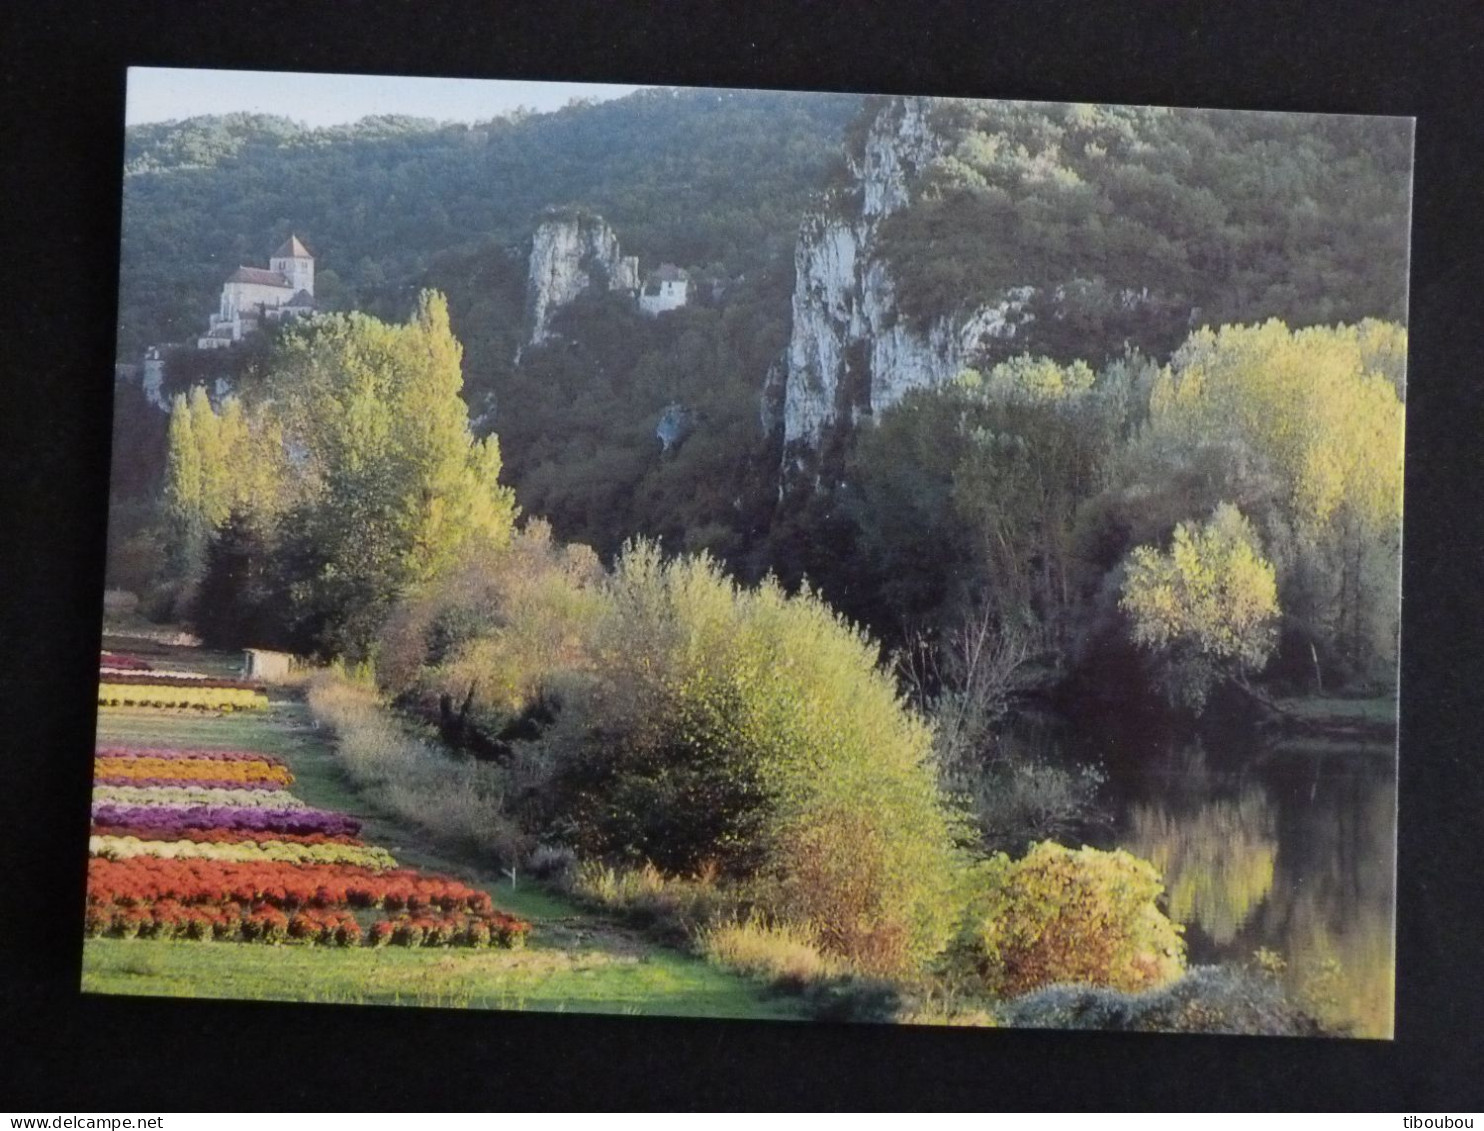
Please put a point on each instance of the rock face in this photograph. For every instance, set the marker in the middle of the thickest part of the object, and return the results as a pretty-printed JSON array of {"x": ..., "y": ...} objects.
[
  {"x": 569, "y": 255},
  {"x": 850, "y": 352},
  {"x": 675, "y": 423}
]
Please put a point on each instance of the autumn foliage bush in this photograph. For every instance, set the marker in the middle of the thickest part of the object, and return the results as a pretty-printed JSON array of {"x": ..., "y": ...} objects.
[
  {"x": 757, "y": 732},
  {"x": 1060, "y": 915}
]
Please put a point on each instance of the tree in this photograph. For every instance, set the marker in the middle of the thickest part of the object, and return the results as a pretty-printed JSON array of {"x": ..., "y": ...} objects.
[
  {"x": 394, "y": 489},
  {"x": 235, "y": 605},
  {"x": 183, "y": 495},
  {"x": 219, "y": 463},
  {"x": 1206, "y": 609},
  {"x": 1037, "y": 443},
  {"x": 1317, "y": 409}
]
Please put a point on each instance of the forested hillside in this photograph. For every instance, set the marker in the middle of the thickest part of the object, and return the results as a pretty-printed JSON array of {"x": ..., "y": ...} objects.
[
  {"x": 1126, "y": 228},
  {"x": 698, "y": 177},
  {"x": 1188, "y": 217}
]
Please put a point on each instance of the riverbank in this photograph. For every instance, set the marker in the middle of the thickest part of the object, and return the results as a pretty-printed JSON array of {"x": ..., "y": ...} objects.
[{"x": 1368, "y": 721}]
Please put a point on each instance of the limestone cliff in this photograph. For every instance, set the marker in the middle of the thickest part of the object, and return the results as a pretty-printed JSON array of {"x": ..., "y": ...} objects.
[
  {"x": 570, "y": 254},
  {"x": 850, "y": 352}
]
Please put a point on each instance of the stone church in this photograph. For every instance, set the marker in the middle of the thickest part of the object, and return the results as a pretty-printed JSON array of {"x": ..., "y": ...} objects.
[{"x": 252, "y": 296}]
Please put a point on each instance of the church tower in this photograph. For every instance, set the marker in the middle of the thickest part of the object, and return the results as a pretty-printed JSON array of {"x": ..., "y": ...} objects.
[{"x": 293, "y": 261}]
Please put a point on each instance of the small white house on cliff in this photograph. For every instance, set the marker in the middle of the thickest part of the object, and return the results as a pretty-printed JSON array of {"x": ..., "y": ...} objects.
[
  {"x": 667, "y": 288},
  {"x": 252, "y": 296}
]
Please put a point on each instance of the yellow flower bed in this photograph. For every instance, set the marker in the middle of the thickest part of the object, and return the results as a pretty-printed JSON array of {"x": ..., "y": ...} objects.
[{"x": 196, "y": 698}]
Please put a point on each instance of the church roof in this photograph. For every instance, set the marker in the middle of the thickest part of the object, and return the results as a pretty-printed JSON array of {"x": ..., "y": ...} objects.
[
  {"x": 301, "y": 298},
  {"x": 669, "y": 273},
  {"x": 292, "y": 248},
  {"x": 258, "y": 275}
]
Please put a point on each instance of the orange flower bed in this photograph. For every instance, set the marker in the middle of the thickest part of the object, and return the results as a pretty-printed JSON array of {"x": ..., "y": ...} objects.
[{"x": 192, "y": 769}]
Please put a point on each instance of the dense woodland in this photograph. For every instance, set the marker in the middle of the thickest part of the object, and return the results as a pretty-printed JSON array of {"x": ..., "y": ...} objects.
[
  {"x": 1186, "y": 499},
  {"x": 703, "y": 178}
]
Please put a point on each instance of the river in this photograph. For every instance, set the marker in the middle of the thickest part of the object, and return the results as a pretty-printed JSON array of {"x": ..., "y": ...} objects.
[{"x": 1284, "y": 847}]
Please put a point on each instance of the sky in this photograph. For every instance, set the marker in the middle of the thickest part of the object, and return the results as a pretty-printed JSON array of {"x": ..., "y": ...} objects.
[{"x": 159, "y": 94}]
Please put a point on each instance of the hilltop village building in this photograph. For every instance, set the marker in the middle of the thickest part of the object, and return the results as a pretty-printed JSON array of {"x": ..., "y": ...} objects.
[
  {"x": 666, "y": 288},
  {"x": 252, "y": 296}
]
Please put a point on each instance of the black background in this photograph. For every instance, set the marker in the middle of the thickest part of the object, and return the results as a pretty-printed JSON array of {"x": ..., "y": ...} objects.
[{"x": 63, "y": 75}]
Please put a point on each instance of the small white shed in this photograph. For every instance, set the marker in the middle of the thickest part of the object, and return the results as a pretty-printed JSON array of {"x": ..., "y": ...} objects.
[{"x": 266, "y": 666}]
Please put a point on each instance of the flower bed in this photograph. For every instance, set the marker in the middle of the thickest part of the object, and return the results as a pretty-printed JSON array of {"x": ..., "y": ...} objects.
[
  {"x": 143, "y": 879},
  {"x": 168, "y": 754},
  {"x": 224, "y": 836},
  {"x": 183, "y": 679},
  {"x": 123, "y": 661},
  {"x": 225, "y": 786},
  {"x": 177, "y": 796},
  {"x": 163, "y": 818},
  {"x": 169, "y": 919},
  {"x": 151, "y": 897},
  {"x": 216, "y": 773},
  {"x": 241, "y": 852},
  {"x": 493, "y": 929},
  {"x": 124, "y": 691},
  {"x": 210, "y": 845}
]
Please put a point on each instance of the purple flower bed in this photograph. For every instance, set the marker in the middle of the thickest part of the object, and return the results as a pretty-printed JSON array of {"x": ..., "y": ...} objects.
[
  {"x": 188, "y": 783},
  {"x": 164, "y": 817}
]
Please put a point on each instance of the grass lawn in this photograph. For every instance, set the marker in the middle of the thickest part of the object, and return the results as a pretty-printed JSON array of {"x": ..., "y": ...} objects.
[
  {"x": 537, "y": 977},
  {"x": 575, "y": 960}
]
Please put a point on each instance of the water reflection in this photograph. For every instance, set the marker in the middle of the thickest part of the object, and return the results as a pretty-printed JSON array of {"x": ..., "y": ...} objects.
[
  {"x": 1332, "y": 907},
  {"x": 1217, "y": 860},
  {"x": 1288, "y": 849}
]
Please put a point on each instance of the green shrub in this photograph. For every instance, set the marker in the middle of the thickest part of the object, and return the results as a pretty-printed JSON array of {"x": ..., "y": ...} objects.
[
  {"x": 785, "y": 955},
  {"x": 1083, "y": 916},
  {"x": 498, "y": 629},
  {"x": 847, "y": 997},
  {"x": 698, "y": 728},
  {"x": 676, "y": 909},
  {"x": 758, "y": 731}
]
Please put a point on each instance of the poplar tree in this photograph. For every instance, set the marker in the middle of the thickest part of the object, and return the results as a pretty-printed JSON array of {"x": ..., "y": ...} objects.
[{"x": 395, "y": 487}]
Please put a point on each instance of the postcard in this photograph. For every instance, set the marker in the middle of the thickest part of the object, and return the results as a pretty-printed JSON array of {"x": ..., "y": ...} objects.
[{"x": 753, "y": 554}]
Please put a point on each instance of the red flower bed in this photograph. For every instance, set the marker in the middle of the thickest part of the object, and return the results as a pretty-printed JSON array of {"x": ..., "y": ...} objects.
[
  {"x": 147, "y": 879},
  {"x": 155, "y": 679},
  {"x": 170, "y": 919},
  {"x": 495, "y": 928},
  {"x": 225, "y": 836},
  {"x": 124, "y": 661}
]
